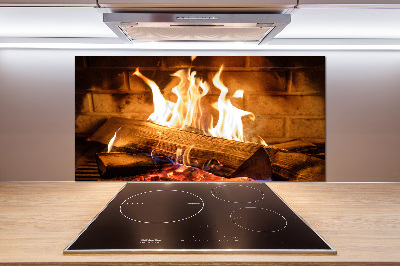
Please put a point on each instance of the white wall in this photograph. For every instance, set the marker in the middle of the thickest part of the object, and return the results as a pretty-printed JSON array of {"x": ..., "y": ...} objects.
[{"x": 37, "y": 112}]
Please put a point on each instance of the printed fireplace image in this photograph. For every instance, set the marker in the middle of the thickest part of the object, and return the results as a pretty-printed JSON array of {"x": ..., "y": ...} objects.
[{"x": 200, "y": 118}]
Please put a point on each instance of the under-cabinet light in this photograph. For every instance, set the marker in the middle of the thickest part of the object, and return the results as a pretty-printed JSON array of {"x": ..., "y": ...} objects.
[{"x": 278, "y": 45}]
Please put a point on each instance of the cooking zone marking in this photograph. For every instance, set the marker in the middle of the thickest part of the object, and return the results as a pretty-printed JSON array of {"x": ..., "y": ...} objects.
[
  {"x": 257, "y": 219},
  {"x": 135, "y": 208},
  {"x": 235, "y": 194}
]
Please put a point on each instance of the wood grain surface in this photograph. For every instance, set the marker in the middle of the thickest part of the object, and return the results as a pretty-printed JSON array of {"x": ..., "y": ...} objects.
[{"x": 360, "y": 220}]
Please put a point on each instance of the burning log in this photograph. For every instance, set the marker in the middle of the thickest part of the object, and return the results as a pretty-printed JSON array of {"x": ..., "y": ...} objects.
[
  {"x": 237, "y": 158},
  {"x": 123, "y": 164},
  {"x": 297, "y": 160}
]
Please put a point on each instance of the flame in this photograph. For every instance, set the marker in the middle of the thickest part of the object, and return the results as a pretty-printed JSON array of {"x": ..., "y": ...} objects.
[
  {"x": 111, "y": 143},
  {"x": 178, "y": 155},
  {"x": 186, "y": 157},
  {"x": 189, "y": 110},
  {"x": 238, "y": 94},
  {"x": 162, "y": 107},
  {"x": 229, "y": 124},
  {"x": 262, "y": 142}
]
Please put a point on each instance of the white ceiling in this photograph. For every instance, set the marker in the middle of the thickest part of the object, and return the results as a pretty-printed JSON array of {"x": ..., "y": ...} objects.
[{"x": 86, "y": 22}]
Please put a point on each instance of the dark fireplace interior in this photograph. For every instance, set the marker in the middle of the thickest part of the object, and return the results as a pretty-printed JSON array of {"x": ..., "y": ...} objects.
[{"x": 283, "y": 100}]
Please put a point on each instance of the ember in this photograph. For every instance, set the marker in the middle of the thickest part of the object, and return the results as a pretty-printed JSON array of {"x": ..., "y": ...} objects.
[{"x": 178, "y": 172}]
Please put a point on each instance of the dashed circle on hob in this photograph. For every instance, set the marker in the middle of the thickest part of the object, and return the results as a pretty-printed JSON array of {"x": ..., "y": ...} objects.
[
  {"x": 161, "y": 206},
  {"x": 237, "y": 193},
  {"x": 257, "y": 219}
]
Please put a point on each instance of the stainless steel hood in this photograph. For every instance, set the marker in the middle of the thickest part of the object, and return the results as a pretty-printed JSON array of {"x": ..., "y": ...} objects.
[{"x": 257, "y": 28}]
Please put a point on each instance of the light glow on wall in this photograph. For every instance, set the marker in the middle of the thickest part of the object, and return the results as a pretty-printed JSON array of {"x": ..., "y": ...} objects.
[{"x": 199, "y": 46}]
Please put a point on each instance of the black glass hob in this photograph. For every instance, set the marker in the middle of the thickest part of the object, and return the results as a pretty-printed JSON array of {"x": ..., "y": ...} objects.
[{"x": 198, "y": 217}]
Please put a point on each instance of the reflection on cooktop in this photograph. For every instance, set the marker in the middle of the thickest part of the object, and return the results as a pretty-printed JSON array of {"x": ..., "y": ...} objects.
[{"x": 198, "y": 217}]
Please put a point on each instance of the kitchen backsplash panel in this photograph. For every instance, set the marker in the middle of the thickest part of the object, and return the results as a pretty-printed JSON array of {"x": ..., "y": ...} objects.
[{"x": 286, "y": 94}]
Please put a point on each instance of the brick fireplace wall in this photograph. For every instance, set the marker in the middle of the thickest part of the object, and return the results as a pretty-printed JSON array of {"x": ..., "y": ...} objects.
[{"x": 286, "y": 94}]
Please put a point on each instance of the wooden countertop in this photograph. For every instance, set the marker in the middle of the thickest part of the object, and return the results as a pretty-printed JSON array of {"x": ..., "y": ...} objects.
[{"x": 360, "y": 220}]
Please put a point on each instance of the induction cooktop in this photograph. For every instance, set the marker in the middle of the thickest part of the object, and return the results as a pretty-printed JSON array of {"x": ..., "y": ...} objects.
[{"x": 198, "y": 217}]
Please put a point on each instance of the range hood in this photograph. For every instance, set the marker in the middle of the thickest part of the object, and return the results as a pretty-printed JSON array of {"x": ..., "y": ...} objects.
[{"x": 257, "y": 28}]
